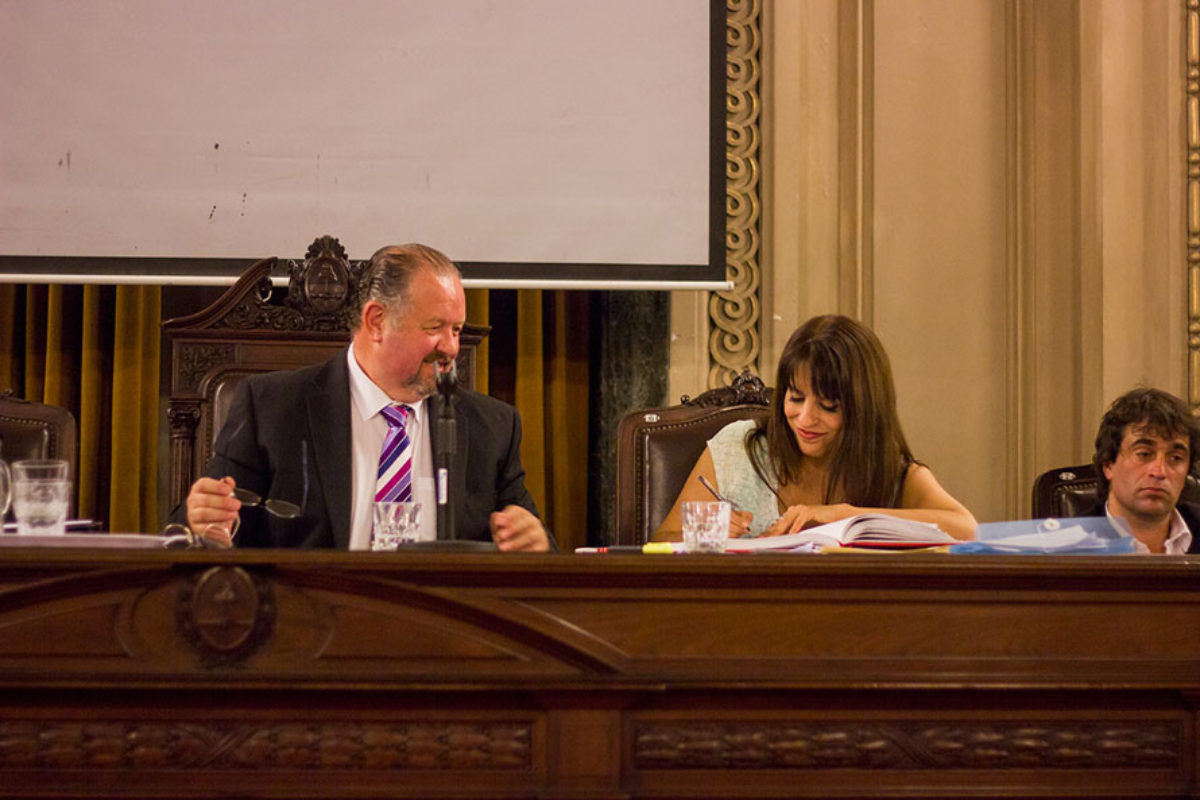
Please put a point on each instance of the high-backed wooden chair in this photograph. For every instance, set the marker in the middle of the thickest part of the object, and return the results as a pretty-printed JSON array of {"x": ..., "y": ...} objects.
[
  {"x": 251, "y": 329},
  {"x": 657, "y": 448}
]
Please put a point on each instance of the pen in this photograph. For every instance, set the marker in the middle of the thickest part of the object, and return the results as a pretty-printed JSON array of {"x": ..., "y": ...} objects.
[
  {"x": 713, "y": 490},
  {"x": 649, "y": 547}
]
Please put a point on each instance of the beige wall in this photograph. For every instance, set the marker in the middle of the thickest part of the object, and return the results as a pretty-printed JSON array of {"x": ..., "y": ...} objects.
[{"x": 996, "y": 186}]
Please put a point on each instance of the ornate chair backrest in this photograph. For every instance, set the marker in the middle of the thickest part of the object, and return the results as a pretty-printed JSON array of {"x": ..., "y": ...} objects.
[
  {"x": 250, "y": 330},
  {"x": 657, "y": 448}
]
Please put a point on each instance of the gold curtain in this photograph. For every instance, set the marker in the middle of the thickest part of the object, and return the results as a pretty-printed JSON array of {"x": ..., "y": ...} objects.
[
  {"x": 95, "y": 351},
  {"x": 537, "y": 359},
  {"x": 567, "y": 420}
]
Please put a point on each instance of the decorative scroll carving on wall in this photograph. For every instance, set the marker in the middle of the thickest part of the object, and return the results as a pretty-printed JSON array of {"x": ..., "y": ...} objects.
[
  {"x": 734, "y": 341},
  {"x": 1192, "y": 54}
]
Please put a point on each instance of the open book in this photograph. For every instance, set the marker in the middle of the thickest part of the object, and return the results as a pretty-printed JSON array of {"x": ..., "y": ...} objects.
[{"x": 862, "y": 530}]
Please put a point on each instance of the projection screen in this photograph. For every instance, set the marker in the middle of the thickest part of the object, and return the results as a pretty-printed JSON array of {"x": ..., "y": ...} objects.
[{"x": 536, "y": 142}]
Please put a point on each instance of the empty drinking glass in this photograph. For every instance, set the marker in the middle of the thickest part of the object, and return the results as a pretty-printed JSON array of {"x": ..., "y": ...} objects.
[
  {"x": 395, "y": 524},
  {"x": 705, "y": 526}
]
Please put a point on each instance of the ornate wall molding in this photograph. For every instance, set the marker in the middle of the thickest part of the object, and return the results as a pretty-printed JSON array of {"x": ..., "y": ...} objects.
[
  {"x": 1192, "y": 71},
  {"x": 734, "y": 338}
]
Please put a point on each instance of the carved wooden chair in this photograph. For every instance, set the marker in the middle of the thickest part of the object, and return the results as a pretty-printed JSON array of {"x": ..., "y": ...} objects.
[
  {"x": 656, "y": 449},
  {"x": 250, "y": 329}
]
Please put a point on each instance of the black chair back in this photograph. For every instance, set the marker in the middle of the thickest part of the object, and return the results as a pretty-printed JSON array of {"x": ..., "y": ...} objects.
[
  {"x": 1068, "y": 491},
  {"x": 37, "y": 430}
]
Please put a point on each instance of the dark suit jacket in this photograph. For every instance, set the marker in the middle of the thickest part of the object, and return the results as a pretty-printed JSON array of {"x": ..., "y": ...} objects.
[
  {"x": 1189, "y": 511},
  {"x": 287, "y": 437}
]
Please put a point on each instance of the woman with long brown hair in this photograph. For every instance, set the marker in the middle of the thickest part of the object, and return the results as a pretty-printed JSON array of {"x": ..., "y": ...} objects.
[{"x": 831, "y": 448}]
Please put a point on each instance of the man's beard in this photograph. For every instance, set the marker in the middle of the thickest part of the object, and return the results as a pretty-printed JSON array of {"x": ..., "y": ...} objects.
[{"x": 425, "y": 385}]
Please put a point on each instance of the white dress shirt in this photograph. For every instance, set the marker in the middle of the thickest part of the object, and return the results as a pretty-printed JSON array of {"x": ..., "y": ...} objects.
[
  {"x": 368, "y": 428},
  {"x": 1179, "y": 538}
]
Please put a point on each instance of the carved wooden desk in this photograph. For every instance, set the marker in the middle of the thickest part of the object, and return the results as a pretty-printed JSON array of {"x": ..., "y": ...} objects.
[{"x": 337, "y": 675}]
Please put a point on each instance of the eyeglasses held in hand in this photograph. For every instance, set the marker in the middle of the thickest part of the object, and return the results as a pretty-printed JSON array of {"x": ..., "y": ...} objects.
[
  {"x": 277, "y": 508},
  {"x": 183, "y": 536},
  {"x": 179, "y": 536}
]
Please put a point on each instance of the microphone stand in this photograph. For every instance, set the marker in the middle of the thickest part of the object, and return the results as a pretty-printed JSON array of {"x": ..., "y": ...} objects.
[
  {"x": 447, "y": 439},
  {"x": 447, "y": 448}
]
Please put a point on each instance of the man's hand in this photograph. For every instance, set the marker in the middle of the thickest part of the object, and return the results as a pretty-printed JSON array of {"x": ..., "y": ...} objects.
[
  {"x": 212, "y": 510},
  {"x": 516, "y": 529}
]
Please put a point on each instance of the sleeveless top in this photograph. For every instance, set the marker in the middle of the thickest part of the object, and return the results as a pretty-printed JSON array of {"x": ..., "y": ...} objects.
[
  {"x": 737, "y": 479},
  {"x": 742, "y": 486}
]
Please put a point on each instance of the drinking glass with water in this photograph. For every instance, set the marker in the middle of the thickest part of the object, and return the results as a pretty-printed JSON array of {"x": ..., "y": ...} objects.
[
  {"x": 41, "y": 495},
  {"x": 5, "y": 488},
  {"x": 395, "y": 523}
]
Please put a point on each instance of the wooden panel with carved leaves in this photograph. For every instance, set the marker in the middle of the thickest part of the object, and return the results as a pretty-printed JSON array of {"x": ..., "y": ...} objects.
[{"x": 156, "y": 673}]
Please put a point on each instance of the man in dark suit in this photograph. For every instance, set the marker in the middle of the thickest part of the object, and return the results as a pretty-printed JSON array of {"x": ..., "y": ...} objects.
[
  {"x": 1147, "y": 445},
  {"x": 313, "y": 436}
]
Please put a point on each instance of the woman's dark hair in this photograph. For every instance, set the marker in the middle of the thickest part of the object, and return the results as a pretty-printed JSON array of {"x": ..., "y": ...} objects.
[
  {"x": 848, "y": 366},
  {"x": 1163, "y": 414}
]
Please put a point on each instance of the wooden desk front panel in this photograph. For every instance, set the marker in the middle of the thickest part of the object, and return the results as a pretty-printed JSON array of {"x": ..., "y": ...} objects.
[{"x": 289, "y": 674}]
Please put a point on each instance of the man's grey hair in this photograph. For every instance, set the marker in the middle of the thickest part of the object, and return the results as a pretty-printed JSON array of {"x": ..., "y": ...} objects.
[{"x": 387, "y": 277}]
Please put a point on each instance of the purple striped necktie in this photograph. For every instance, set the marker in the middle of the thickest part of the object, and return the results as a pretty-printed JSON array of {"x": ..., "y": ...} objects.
[{"x": 394, "y": 480}]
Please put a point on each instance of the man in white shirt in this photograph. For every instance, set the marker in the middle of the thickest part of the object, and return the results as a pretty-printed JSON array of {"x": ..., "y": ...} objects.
[
  {"x": 1145, "y": 449},
  {"x": 287, "y": 438}
]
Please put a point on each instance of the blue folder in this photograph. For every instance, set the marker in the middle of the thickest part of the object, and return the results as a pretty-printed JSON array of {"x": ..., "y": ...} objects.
[{"x": 1051, "y": 536}]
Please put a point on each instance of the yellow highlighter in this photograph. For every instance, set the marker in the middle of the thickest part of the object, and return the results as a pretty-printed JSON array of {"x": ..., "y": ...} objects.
[{"x": 648, "y": 547}]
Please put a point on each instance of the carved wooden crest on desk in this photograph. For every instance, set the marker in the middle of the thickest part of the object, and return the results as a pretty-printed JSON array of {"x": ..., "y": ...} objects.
[{"x": 226, "y": 614}]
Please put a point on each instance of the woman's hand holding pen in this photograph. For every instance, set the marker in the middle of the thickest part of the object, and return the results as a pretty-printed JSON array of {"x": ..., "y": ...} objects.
[{"x": 739, "y": 521}]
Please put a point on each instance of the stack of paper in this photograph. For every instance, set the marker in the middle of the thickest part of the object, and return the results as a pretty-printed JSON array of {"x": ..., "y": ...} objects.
[{"x": 1072, "y": 536}]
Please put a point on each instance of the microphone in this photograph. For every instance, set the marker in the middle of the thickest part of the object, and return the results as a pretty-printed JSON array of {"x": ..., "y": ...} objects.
[
  {"x": 447, "y": 378},
  {"x": 447, "y": 436}
]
